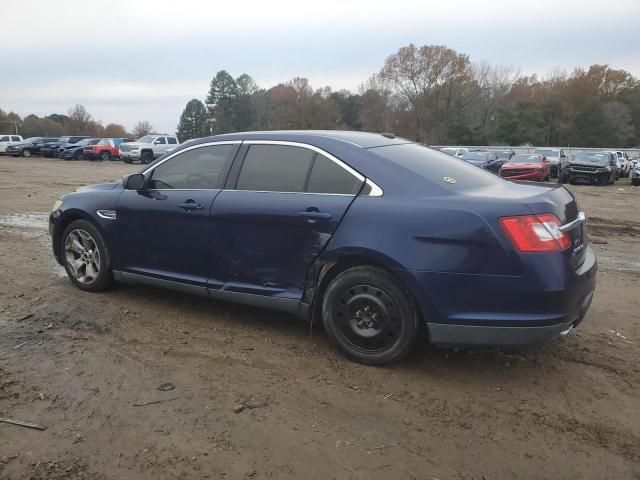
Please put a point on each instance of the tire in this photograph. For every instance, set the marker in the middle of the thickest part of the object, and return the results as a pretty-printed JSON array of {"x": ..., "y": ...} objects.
[
  {"x": 26, "y": 153},
  {"x": 83, "y": 251},
  {"x": 369, "y": 317},
  {"x": 105, "y": 156},
  {"x": 77, "y": 155},
  {"x": 563, "y": 178},
  {"x": 126, "y": 160},
  {"x": 635, "y": 181},
  {"x": 146, "y": 157}
]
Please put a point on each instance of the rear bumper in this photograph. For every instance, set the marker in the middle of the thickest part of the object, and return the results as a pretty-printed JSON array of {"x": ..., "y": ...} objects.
[{"x": 503, "y": 310}]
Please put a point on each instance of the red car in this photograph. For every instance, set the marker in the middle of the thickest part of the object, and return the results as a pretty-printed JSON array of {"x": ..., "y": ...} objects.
[
  {"x": 527, "y": 166},
  {"x": 105, "y": 149}
]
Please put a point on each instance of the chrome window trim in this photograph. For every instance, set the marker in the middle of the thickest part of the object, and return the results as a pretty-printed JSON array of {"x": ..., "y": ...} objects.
[
  {"x": 193, "y": 147},
  {"x": 374, "y": 188},
  {"x": 292, "y": 193}
]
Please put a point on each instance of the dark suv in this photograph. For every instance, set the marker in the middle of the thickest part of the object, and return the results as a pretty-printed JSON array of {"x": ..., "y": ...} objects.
[
  {"x": 378, "y": 237},
  {"x": 30, "y": 146},
  {"x": 51, "y": 149},
  {"x": 600, "y": 168}
]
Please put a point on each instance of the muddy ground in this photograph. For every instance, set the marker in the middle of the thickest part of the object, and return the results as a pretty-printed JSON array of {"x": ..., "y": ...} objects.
[{"x": 88, "y": 366}]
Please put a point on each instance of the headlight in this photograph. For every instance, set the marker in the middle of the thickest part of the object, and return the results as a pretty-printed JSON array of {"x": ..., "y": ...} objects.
[
  {"x": 56, "y": 205},
  {"x": 608, "y": 169}
]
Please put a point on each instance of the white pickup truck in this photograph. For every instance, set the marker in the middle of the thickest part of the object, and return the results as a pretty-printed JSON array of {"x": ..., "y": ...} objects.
[
  {"x": 6, "y": 140},
  {"x": 147, "y": 148}
]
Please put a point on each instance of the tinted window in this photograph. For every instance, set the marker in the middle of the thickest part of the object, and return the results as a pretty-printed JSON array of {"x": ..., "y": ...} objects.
[
  {"x": 160, "y": 140},
  {"x": 199, "y": 168},
  {"x": 329, "y": 177},
  {"x": 15, "y": 139},
  {"x": 434, "y": 166},
  {"x": 275, "y": 168},
  {"x": 4, "y": 139},
  {"x": 172, "y": 141}
]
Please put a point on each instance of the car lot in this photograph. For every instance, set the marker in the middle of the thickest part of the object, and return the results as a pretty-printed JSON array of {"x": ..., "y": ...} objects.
[{"x": 257, "y": 396}]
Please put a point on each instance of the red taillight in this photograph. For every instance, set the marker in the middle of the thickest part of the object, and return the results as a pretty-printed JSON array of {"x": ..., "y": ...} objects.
[{"x": 536, "y": 233}]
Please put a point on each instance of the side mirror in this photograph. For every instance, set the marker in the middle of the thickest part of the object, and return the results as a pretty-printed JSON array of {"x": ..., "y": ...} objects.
[{"x": 135, "y": 181}]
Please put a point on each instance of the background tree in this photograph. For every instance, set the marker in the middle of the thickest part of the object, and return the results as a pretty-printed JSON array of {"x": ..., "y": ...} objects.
[
  {"x": 142, "y": 128},
  {"x": 193, "y": 121},
  {"x": 79, "y": 120},
  {"x": 223, "y": 93},
  {"x": 115, "y": 130}
]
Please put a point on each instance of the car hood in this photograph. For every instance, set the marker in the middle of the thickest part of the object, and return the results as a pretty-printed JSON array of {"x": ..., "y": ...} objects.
[
  {"x": 100, "y": 186},
  {"x": 135, "y": 144}
]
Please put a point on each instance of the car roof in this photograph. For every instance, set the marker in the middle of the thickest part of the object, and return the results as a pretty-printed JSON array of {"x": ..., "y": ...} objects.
[{"x": 360, "y": 139}]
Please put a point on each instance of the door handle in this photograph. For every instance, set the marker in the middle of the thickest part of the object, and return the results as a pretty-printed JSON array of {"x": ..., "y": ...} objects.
[
  {"x": 190, "y": 205},
  {"x": 315, "y": 215}
]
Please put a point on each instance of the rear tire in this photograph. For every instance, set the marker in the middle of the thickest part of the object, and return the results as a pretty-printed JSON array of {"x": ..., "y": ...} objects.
[
  {"x": 105, "y": 156},
  {"x": 85, "y": 257},
  {"x": 26, "y": 153},
  {"x": 369, "y": 317},
  {"x": 126, "y": 160}
]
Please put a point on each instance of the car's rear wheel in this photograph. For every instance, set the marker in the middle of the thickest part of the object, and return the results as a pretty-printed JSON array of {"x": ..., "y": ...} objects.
[
  {"x": 146, "y": 157},
  {"x": 86, "y": 257},
  {"x": 369, "y": 316},
  {"x": 26, "y": 153},
  {"x": 105, "y": 156}
]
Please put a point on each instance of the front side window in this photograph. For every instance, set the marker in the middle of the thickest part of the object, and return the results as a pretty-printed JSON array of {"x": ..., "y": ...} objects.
[
  {"x": 200, "y": 168},
  {"x": 275, "y": 168},
  {"x": 15, "y": 139},
  {"x": 160, "y": 141},
  {"x": 4, "y": 139},
  {"x": 329, "y": 177},
  {"x": 172, "y": 140}
]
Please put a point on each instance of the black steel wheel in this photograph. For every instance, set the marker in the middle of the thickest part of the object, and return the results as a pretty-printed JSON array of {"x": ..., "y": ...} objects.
[
  {"x": 369, "y": 316},
  {"x": 105, "y": 156},
  {"x": 146, "y": 157}
]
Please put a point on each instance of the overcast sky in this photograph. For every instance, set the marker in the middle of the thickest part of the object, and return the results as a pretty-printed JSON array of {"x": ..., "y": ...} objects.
[{"x": 143, "y": 60}]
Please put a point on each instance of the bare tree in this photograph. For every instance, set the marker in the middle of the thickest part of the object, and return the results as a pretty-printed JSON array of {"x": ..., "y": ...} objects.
[
  {"x": 79, "y": 120},
  {"x": 142, "y": 128}
]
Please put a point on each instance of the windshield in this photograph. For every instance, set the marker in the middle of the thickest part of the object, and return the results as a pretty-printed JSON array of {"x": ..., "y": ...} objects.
[
  {"x": 64, "y": 139},
  {"x": 146, "y": 139},
  {"x": 548, "y": 152},
  {"x": 594, "y": 158},
  {"x": 31, "y": 139},
  {"x": 449, "y": 151},
  {"x": 503, "y": 153},
  {"x": 526, "y": 159},
  {"x": 435, "y": 166},
  {"x": 482, "y": 156}
]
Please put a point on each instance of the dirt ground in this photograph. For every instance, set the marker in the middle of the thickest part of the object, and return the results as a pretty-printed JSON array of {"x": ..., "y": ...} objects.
[{"x": 88, "y": 366}]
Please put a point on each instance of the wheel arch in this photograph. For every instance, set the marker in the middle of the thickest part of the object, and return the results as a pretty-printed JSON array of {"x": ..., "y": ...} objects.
[
  {"x": 325, "y": 270},
  {"x": 63, "y": 222}
]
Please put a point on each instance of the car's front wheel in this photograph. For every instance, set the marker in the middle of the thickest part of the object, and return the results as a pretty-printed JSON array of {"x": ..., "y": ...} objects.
[
  {"x": 146, "y": 157},
  {"x": 26, "y": 153},
  {"x": 105, "y": 156},
  {"x": 86, "y": 257},
  {"x": 369, "y": 316}
]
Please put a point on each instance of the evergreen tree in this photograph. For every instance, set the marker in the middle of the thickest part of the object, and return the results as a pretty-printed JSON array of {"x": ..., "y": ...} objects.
[
  {"x": 193, "y": 121},
  {"x": 223, "y": 93}
]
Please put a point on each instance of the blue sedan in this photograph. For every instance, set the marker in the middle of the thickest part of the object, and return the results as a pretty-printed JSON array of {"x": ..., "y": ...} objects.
[{"x": 377, "y": 237}]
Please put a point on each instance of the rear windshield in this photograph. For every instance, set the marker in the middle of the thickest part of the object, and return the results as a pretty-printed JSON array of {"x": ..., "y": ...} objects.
[{"x": 435, "y": 166}]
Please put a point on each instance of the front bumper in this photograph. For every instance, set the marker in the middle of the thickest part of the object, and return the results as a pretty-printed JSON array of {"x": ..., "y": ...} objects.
[
  {"x": 589, "y": 178},
  {"x": 129, "y": 155}
]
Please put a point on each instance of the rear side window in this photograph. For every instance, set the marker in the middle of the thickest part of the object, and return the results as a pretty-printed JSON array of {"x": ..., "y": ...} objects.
[
  {"x": 275, "y": 168},
  {"x": 172, "y": 141},
  {"x": 437, "y": 167},
  {"x": 329, "y": 177},
  {"x": 196, "y": 169}
]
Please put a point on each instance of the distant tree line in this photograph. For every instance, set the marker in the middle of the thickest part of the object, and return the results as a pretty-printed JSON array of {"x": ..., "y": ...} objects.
[
  {"x": 77, "y": 121},
  {"x": 436, "y": 95}
]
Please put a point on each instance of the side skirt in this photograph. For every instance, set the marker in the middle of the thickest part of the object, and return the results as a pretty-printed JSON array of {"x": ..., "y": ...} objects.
[{"x": 288, "y": 305}]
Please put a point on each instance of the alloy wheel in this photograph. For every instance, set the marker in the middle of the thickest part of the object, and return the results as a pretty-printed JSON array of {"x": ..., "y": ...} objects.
[{"x": 82, "y": 256}]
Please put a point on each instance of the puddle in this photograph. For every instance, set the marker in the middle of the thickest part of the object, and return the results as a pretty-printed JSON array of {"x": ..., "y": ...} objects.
[
  {"x": 37, "y": 220},
  {"x": 619, "y": 261}
]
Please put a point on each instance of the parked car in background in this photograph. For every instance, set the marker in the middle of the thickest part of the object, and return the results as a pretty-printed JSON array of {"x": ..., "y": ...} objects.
[
  {"x": 455, "y": 151},
  {"x": 6, "y": 140},
  {"x": 291, "y": 221},
  {"x": 557, "y": 159},
  {"x": 74, "y": 151},
  {"x": 50, "y": 149},
  {"x": 527, "y": 167},
  {"x": 599, "y": 168},
  {"x": 103, "y": 149},
  {"x": 635, "y": 174},
  {"x": 624, "y": 164},
  {"x": 30, "y": 146},
  {"x": 147, "y": 148},
  {"x": 482, "y": 159},
  {"x": 504, "y": 153}
]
